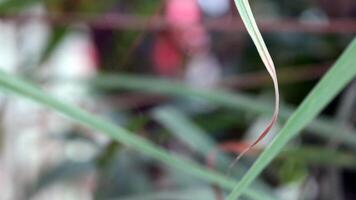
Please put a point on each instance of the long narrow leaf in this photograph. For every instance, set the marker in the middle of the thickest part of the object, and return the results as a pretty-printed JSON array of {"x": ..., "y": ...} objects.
[
  {"x": 343, "y": 71},
  {"x": 250, "y": 23},
  {"x": 322, "y": 126},
  {"x": 199, "y": 141},
  {"x": 192, "y": 193},
  {"x": 17, "y": 86}
]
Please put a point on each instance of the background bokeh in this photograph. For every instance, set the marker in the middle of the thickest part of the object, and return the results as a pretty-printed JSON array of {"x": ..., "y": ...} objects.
[{"x": 69, "y": 47}]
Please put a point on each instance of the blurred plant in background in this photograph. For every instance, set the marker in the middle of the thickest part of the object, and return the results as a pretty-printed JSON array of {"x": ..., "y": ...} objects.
[{"x": 166, "y": 71}]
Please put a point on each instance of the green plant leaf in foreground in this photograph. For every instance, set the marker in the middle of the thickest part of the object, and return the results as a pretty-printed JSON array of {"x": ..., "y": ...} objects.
[
  {"x": 12, "y": 84},
  {"x": 343, "y": 71},
  {"x": 247, "y": 17}
]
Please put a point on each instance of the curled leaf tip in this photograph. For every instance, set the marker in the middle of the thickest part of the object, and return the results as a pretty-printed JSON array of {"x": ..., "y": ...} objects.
[{"x": 251, "y": 26}]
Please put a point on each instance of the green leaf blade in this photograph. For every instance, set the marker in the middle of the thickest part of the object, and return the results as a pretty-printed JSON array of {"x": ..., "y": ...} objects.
[
  {"x": 343, "y": 71},
  {"x": 17, "y": 86}
]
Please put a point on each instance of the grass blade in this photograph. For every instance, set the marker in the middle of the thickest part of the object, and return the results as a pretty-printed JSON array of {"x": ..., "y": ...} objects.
[
  {"x": 322, "y": 126},
  {"x": 191, "y": 135},
  {"x": 199, "y": 141},
  {"x": 17, "y": 86},
  {"x": 250, "y": 23},
  {"x": 343, "y": 71},
  {"x": 192, "y": 193}
]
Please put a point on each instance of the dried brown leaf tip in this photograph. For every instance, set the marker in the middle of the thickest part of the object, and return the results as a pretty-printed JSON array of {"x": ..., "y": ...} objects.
[{"x": 247, "y": 17}]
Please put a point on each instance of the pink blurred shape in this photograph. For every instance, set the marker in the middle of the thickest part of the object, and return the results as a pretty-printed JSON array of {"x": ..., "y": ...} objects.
[{"x": 183, "y": 12}]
